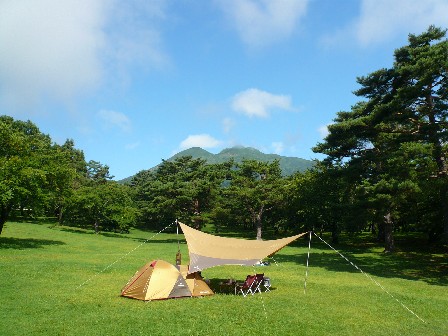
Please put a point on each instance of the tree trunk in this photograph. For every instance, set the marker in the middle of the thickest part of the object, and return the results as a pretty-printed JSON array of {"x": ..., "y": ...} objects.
[
  {"x": 258, "y": 230},
  {"x": 2, "y": 223},
  {"x": 389, "y": 245},
  {"x": 4, "y": 214},
  {"x": 445, "y": 214},
  {"x": 334, "y": 237},
  {"x": 96, "y": 226},
  {"x": 439, "y": 157},
  {"x": 445, "y": 230},
  {"x": 381, "y": 231},
  {"x": 60, "y": 215},
  {"x": 258, "y": 222},
  {"x": 196, "y": 219}
]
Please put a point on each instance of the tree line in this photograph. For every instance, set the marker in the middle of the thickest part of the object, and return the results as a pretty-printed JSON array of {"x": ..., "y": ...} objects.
[{"x": 384, "y": 170}]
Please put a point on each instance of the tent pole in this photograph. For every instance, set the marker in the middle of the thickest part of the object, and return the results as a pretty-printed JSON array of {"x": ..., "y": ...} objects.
[{"x": 307, "y": 263}]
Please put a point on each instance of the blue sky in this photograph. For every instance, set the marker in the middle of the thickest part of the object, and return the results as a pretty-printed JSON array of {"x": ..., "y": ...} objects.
[{"x": 133, "y": 82}]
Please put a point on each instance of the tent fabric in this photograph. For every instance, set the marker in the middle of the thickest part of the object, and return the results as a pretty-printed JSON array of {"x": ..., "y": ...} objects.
[
  {"x": 195, "y": 282},
  {"x": 161, "y": 280},
  {"x": 207, "y": 250}
]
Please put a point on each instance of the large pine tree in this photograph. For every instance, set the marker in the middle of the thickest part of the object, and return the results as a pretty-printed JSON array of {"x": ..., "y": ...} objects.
[{"x": 395, "y": 138}]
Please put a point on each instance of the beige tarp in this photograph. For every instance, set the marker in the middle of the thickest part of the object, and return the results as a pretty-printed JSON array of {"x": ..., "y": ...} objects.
[{"x": 206, "y": 250}]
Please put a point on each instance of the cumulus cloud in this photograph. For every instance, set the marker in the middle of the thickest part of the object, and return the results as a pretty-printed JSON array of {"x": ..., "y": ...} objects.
[
  {"x": 278, "y": 147},
  {"x": 115, "y": 119},
  {"x": 200, "y": 140},
  {"x": 257, "y": 103},
  {"x": 228, "y": 124},
  {"x": 397, "y": 17},
  {"x": 262, "y": 22},
  {"x": 132, "y": 146},
  {"x": 323, "y": 131},
  {"x": 382, "y": 20},
  {"x": 62, "y": 49},
  {"x": 134, "y": 40},
  {"x": 49, "y": 48}
]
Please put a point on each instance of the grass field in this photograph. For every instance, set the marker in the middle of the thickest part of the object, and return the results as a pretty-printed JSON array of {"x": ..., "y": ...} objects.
[{"x": 66, "y": 281}]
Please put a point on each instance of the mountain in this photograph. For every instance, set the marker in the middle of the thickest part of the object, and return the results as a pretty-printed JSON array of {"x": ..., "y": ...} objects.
[{"x": 289, "y": 165}]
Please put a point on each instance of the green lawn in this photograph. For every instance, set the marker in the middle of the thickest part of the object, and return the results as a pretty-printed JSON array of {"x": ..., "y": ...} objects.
[{"x": 66, "y": 281}]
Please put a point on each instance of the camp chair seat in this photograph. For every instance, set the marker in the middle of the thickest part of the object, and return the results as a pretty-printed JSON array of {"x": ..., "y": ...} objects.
[
  {"x": 250, "y": 285},
  {"x": 245, "y": 287}
]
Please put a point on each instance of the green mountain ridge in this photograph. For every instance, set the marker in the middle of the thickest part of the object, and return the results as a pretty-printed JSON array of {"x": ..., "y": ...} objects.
[{"x": 289, "y": 165}]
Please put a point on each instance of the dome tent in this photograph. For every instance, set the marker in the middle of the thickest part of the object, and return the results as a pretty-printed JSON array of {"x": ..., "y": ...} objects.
[{"x": 160, "y": 280}]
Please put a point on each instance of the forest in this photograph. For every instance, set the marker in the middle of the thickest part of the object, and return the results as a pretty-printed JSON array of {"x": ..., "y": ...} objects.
[{"x": 384, "y": 170}]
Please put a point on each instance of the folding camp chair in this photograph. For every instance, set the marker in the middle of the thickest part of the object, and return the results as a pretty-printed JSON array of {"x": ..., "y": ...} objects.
[
  {"x": 246, "y": 287},
  {"x": 259, "y": 278},
  {"x": 267, "y": 284}
]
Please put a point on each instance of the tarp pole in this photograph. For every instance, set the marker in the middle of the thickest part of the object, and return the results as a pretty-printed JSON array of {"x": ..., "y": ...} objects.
[
  {"x": 178, "y": 254},
  {"x": 307, "y": 263},
  {"x": 177, "y": 235}
]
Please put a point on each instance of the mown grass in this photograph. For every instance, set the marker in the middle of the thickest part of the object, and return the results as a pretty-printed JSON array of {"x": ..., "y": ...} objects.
[{"x": 65, "y": 281}]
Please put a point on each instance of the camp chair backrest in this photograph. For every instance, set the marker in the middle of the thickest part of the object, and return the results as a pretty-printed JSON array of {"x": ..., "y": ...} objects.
[
  {"x": 249, "y": 280},
  {"x": 248, "y": 286},
  {"x": 257, "y": 283}
]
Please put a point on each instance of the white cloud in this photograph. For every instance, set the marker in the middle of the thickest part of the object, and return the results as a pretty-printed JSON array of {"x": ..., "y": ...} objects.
[
  {"x": 200, "y": 140},
  {"x": 228, "y": 124},
  {"x": 278, "y": 147},
  {"x": 134, "y": 40},
  {"x": 383, "y": 20},
  {"x": 59, "y": 50},
  {"x": 132, "y": 146},
  {"x": 262, "y": 22},
  {"x": 49, "y": 48},
  {"x": 323, "y": 131},
  {"x": 257, "y": 103},
  {"x": 115, "y": 119}
]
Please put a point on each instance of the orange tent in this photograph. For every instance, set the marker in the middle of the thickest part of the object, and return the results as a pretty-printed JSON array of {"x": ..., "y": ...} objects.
[{"x": 161, "y": 280}]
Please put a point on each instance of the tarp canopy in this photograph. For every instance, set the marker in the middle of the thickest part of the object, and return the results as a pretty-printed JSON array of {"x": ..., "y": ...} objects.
[{"x": 207, "y": 250}]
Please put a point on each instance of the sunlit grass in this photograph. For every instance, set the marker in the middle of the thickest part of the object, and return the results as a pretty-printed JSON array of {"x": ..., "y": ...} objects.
[{"x": 64, "y": 281}]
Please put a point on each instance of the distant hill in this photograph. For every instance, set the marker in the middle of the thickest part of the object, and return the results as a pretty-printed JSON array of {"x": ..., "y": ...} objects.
[{"x": 289, "y": 165}]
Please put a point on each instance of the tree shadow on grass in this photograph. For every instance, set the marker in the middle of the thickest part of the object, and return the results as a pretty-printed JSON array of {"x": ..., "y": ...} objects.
[
  {"x": 91, "y": 232},
  {"x": 404, "y": 264},
  {"x": 159, "y": 241},
  {"x": 122, "y": 236},
  {"x": 28, "y": 243},
  {"x": 110, "y": 234}
]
